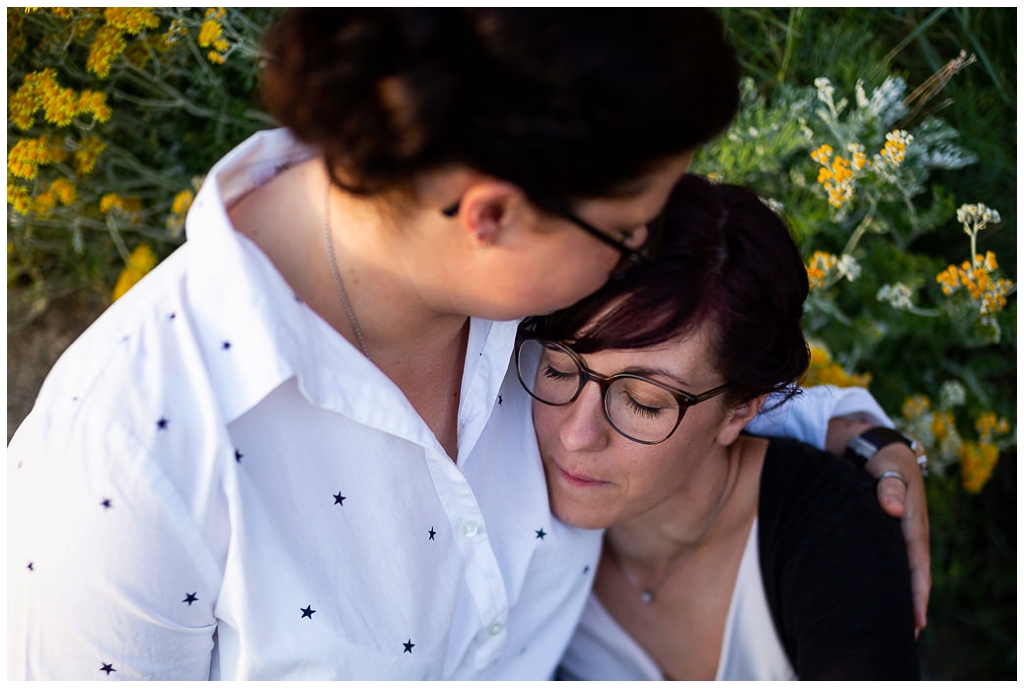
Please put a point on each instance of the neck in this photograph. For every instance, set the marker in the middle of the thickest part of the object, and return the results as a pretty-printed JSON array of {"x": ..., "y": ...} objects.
[
  {"x": 381, "y": 261},
  {"x": 652, "y": 542}
]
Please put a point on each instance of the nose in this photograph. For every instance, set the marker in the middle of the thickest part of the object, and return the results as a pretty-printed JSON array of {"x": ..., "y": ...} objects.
[
  {"x": 637, "y": 237},
  {"x": 585, "y": 427}
]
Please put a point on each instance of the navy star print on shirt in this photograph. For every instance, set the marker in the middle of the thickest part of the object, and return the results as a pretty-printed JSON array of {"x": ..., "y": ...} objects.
[
  {"x": 431, "y": 532},
  {"x": 338, "y": 499},
  {"x": 540, "y": 534},
  {"x": 106, "y": 504},
  {"x": 190, "y": 597},
  {"x": 108, "y": 668},
  {"x": 161, "y": 424},
  {"x": 408, "y": 646},
  {"x": 308, "y": 612}
]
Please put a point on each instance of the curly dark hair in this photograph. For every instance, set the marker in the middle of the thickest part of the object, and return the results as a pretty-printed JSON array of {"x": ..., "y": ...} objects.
[
  {"x": 727, "y": 259},
  {"x": 565, "y": 103}
]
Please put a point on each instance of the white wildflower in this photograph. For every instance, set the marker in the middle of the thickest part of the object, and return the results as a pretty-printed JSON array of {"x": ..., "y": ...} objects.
[
  {"x": 896, "y": 295},
  {"x": 848, "y": 267},
  {"x": 952, "y": 393}
]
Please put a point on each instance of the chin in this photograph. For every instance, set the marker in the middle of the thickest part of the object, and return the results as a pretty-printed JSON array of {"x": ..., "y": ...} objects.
[{"x": 578, "y": 517}]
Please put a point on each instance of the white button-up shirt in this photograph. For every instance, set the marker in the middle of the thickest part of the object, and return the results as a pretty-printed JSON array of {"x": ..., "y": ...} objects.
[{"x": 215, "y": 484}]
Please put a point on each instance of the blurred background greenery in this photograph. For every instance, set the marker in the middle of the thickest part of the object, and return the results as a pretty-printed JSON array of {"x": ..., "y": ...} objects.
[{"x": 867, "y": 128}]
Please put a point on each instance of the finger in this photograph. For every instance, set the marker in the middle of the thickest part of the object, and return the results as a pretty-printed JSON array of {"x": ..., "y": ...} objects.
[
  {"x": 892, "y": 495},
  {"x": 916, "y": 532}
]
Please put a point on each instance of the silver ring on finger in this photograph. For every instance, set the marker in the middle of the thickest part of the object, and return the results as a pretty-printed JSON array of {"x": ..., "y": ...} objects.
[{"x": 894, "y": 474}]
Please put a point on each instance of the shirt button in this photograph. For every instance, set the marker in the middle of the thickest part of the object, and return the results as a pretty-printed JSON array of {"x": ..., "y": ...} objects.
[
  {"x": 470, "y": 528},
  {"x": 496, "y": 628}
]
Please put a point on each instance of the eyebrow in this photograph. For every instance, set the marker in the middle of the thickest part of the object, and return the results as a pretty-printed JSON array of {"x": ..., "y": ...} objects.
[{"x": 645, "y": 371}]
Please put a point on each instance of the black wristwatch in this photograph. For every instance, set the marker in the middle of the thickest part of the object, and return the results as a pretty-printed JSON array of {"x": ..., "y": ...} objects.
[{"x": 864, "y": 446}]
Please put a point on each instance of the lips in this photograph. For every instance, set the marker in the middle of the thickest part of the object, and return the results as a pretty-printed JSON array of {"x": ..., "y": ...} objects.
[{"x": 576, "y": 479}]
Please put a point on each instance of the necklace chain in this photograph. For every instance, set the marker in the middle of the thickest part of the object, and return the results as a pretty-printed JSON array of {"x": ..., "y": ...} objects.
[
  {"x": 647, "y": 592},
  {"x": 329, "y": 243}
]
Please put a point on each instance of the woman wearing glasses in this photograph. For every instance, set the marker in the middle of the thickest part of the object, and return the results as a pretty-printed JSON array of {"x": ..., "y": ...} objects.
[
  {"x": 727, "y": 555},
  {"x": 286, "y": 453}
]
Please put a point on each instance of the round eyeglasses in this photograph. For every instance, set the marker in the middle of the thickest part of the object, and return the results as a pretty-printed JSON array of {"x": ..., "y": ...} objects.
[{"x": 640, "y": 409}]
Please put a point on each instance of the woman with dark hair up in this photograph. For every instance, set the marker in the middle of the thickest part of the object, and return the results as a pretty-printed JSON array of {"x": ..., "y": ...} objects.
[
  {"x": 286, "y": 453},
  {"x": 727, "y": 556}
]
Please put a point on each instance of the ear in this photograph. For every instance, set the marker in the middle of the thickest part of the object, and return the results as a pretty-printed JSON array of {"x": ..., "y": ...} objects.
[
  {"x": 489, "y": 208},
  {"x": 737, "y": 417}
]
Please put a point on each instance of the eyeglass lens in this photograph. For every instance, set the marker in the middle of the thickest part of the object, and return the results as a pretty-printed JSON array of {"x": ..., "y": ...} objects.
[{"x": 637, "y": 408}]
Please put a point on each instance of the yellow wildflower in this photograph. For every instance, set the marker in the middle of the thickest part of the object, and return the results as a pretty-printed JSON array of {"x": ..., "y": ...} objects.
[
  {"x": 182, "y": 202},
  {"x": 209, "y": 32},
  {"x": 977, "y": 460},
  {"x": 19, "y": 198},
  {"x": 109, "y": 202},
  {"x": 94, "y": 103},
  {"x": 88, "y": 153},
  {"x": 131, "y": 20},
  {"x": 27, "y": 155},
  {"x": 64, "y": 190},
  {"x": 895, "y": 149},
  {"x": 822, "y": 154},
  {"x": 216, "y": 13},
  {"x": 29, "y": 97},
  {"x": 836, "y": 175},
  {"x": 175, "y": 31},
  {"x": 824, "y": 371},
  {"x": 16, "y": 41},
  {"x": 942, "y": 425},
  {"x": 106, "y": 47},
  {"x": 858, "y": 157},
  {"x": 112, "y": 201},
  {"x": 43, "y": 203},
  {"x": 60, "y": 107},
  {"x": 915, "y": 406},
  {"x": 989, "y": 425},
  {"x": 976, "y": 278},
  {"x": 819, "y": 267},
  {"x": 62, "y": 12},
  {"x": 215, "y": 57},
  {"x": 137, "y": 54},
  {"x": 140, "y": 262}
]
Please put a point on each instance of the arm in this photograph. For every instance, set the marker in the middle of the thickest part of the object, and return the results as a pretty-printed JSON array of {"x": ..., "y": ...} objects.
[
  {"x": 103, "y": 558},
  {"x": 835, "y": 571},
  {"x": 830, "y": 417},
  {"x": 907, "y": 503}
]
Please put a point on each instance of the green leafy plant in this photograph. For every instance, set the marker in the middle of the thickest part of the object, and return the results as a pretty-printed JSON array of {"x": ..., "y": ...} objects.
[{"x": 113, "y": 116}]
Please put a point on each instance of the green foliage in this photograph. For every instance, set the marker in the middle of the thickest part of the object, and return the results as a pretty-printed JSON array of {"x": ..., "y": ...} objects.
[
  {"x": 931, "y": 355},
  {"x": 164, "y": 108}
]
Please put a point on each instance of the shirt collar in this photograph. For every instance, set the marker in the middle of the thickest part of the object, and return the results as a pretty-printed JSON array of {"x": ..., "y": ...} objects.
[{"x": 234, "y": 288}]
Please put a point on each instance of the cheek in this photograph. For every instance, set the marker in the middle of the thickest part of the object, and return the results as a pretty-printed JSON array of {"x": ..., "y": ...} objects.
[{"x": 545, "y": 424}]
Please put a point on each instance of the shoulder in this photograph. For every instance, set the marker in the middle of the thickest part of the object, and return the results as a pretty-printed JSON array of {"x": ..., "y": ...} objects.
[
  {"x": 811, "y": 501},
  {"x": 834, "y": 567}
]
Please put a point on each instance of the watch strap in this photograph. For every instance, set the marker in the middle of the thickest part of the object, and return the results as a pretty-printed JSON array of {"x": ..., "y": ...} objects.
[{"x": 864, "y": 446}]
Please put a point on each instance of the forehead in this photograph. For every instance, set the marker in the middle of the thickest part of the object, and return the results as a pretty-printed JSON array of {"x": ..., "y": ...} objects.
[{"x": 686, "y": 361}]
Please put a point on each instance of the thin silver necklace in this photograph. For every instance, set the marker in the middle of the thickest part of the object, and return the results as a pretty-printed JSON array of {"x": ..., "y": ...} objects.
[
  {"x": 647, "y": 591},
  {"x": 329, "y": 243}
]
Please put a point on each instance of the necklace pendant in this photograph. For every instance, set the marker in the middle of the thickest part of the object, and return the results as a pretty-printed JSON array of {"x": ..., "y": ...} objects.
[{"x": 647, "y": 596}]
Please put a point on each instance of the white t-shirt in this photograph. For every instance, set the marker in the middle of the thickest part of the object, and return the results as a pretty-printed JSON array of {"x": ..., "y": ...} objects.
[{"x": 215, "y": 484}]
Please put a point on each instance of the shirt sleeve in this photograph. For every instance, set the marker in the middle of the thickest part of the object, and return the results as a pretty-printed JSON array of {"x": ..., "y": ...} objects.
[
  {"x": 805, "y": 417},
  {"x": 835, "y": 569},
  {"x": 108, "y": 577}
]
